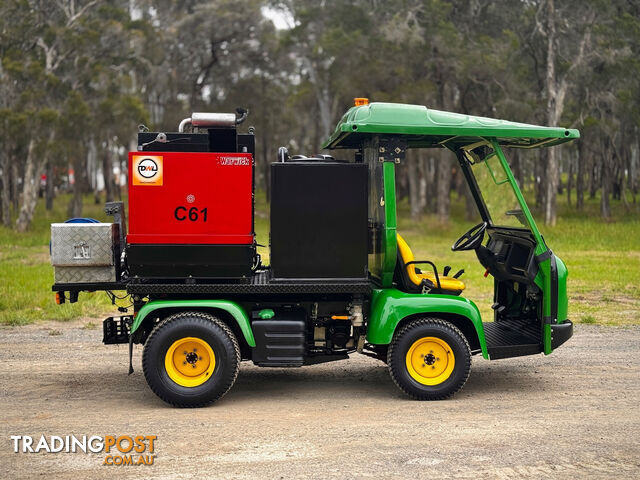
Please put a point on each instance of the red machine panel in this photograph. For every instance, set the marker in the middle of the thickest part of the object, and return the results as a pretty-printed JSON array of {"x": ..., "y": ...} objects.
[{"x": 190, "y": 198}]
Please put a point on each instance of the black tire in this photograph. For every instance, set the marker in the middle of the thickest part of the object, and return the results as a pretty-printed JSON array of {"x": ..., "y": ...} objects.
[
  {"x": 202, "y": 326},
  {"x": 413, "y": 332}
]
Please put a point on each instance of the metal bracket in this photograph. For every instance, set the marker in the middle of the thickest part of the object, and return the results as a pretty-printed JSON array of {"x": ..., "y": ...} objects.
[
  {"x": 544, "y": 256},
  {"x": 116, "y": 210},
  {"x": 392, "y": 149}
]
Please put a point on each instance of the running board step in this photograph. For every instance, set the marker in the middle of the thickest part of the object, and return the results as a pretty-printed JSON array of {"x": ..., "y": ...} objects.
[
  {"x": 512, "y": 338},
  {"x": 509, "y": 351}
]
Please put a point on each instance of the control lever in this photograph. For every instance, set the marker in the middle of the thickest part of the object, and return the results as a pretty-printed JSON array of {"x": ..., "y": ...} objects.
[
  {"x": 459, "y": 273},
  {"x": 446, "y": 270}
]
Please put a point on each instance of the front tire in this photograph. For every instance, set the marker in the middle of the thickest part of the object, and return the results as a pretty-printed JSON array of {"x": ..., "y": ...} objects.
[
  {"x": 429, "y": 359},
  {"x": 191, "y": 359}
]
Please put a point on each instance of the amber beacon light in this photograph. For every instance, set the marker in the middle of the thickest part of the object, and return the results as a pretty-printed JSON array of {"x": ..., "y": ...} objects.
[{"x": 360, "y": 101}]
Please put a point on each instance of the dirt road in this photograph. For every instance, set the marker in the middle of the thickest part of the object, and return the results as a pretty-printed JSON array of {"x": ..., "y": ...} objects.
[{"x": 574, "y": 414}]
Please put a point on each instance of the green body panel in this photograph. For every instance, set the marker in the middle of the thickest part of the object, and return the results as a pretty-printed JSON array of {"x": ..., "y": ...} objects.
[
  {"x": 543, "y": 278},
  {"x": 390, "y": 306},
  {"x": 232, "y": 308},
  {"x": 563, "y": 302},
  {"x": 543, "y": 281},
  {"x": 390, "y": 231},
  {"x": 432, "y": 128}
]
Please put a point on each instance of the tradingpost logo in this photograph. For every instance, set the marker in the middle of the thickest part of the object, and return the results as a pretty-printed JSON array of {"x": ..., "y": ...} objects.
[{"x": 119, "y": 450}]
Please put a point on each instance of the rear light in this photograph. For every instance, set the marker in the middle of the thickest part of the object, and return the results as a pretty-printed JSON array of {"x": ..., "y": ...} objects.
[{"x": 60, "y": 298}]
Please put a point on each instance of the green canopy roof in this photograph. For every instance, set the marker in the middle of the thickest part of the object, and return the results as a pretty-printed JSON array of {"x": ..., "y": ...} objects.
[{"x": 424, "y": 128}]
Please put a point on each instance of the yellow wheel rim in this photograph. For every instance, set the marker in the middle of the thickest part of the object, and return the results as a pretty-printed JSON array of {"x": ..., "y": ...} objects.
[
  {"x": 430, "y": 361},
  {"x": 190, "y": 361}
]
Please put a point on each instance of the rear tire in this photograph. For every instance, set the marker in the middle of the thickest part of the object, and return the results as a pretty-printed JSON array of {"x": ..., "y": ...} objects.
[
  {"x": 429, "y": 359},
  {"x": 191, "y": 359}
]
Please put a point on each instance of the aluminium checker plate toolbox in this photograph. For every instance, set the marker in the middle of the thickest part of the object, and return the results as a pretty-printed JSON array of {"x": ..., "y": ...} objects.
[{"x": 84, "y": 252}]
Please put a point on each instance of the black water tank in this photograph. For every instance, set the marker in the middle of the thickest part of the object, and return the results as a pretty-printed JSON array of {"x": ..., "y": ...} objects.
[{"x": 319, "y": 220}]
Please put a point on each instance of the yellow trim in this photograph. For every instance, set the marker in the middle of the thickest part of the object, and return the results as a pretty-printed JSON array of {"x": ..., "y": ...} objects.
[
  {"x": 190, "y": 361},
  {"x": 406, "y": 255},
  {"x": 430, "y": 361}
]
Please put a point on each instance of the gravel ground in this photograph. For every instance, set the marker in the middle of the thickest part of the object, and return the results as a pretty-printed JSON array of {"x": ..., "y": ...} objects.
[{"x": 574, "y": 414}]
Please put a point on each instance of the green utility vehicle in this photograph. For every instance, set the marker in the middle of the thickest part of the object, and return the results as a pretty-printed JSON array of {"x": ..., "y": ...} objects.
[{"x": 341, "y": 279}]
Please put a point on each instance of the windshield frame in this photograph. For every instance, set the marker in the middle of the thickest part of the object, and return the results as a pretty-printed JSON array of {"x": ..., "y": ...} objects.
[{"x": 476, "y": 192}]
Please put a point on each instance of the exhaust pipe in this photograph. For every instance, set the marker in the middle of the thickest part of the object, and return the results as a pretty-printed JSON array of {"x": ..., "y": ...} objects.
[{"x": 203, "y": 119}]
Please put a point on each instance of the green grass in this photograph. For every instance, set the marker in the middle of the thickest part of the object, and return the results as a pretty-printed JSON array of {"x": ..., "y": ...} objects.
[{"x": 603, "y": 260}]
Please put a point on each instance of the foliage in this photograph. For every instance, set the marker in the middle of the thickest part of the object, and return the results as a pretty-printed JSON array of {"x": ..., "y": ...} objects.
[{"x": 78, "y": 76}]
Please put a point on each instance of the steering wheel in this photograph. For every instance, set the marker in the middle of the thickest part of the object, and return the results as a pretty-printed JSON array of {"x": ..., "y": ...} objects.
[{"x": 470, "y": 240}]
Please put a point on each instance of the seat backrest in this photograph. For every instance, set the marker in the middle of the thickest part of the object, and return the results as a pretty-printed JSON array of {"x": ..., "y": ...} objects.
[
  {"x": 405, "y": 255},
  {"x": 406, "y": 277}
]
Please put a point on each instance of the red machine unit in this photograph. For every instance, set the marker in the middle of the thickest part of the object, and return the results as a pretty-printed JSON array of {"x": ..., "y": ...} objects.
[
  {"x": 191, "y": 201},
  {"x": 190, "y": 198}
]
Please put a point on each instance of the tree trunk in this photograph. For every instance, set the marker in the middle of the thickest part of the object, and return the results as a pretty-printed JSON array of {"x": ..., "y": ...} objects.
[
  {"x": 443, "y": 199},
  {"x": 5, "y": 195},
  {"x": 30, "y": 187},
  {"x": 605, "y": 178},
  {"x": 324, "y": 107},
  {"x": 414, "y": 181},
  {"x": 516, "y": 166},
  {"x": 265, "y": 160},
  {"x": 551, "y": 188},
  {"x": 423, "y": 170},
  {"x": 107, "y": 172},
  {"x": 569, "y": 178},
  {"x": 320, "y": 82},
  {"x": 74, "y": 209},
  {"x": 593, "y": 179},
  {"x": 471, "y": 208},
  {"x": 432, "y": 181},
  {"x": 540, "y": 178},
  {"x": 633, "y": 170},
  {"x": 49, "y": 187},
  {"x": 552, "y": 170},
  {"x": 80, "y": 186},
  {"x": 402, "y": 181},
  {"x": 580, "y": 175},
  {"x": 605, "y": 208},
  {"x": 559, "y": 156},
  {"x": 116, "y": 180},
  {"x": 15, "y": 189}
]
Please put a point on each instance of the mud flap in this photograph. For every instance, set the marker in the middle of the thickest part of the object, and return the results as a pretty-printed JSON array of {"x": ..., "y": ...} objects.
[{"x": 130, "y": 354}]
